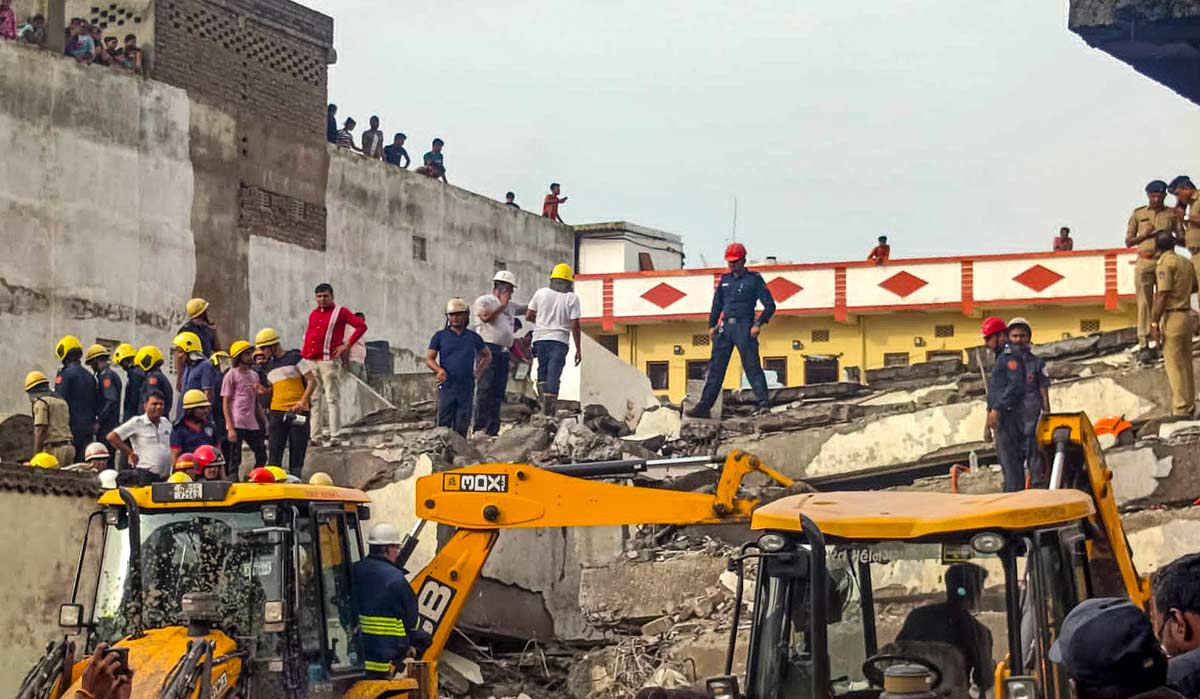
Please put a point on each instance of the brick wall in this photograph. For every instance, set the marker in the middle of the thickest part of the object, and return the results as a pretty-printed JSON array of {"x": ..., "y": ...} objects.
[
  {"x": 267, "y": 58},
  {"x": 278, "y": 216}
]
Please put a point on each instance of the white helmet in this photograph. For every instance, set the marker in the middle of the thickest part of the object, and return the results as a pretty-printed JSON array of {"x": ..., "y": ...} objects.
[
  {"x": 108, "y": 479},
  {"x": 506, "y": 276},
  {"x": 95, "y": 450},
  {"x": 384, "y": 534}
]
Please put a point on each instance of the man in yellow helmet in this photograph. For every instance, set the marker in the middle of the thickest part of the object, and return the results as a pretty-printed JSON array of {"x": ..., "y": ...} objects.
[
  {"x": 108, "y": 390},
  {"x": 150, "y": 360},
  {"x": 77, "y": 386},
  {"x": 555, "y": 312},
  {"x": 198, "y": 372},
  {"x": 204, "y": 328},
  {"x": 289, "y": 377},
  {"x": 51, "y": 419},
  {"x": 131, "y": 404}
]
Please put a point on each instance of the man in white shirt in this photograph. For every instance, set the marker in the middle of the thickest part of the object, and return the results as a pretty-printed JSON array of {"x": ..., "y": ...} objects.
[
  {"x": 145, "y": 441},
  {"x": 495, "y": 322},
  {"x": 555, "y": 312}
]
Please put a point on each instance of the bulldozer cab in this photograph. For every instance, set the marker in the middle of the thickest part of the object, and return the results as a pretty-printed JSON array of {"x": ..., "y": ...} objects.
[
  {"x": 270, "y": 564},
  {"x": 972, "y": 588}
]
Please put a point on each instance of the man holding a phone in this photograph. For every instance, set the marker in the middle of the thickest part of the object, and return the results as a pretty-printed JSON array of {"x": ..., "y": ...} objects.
[
  {"x": 107, "y": 676},
  {"x": 290, "y": 381}
]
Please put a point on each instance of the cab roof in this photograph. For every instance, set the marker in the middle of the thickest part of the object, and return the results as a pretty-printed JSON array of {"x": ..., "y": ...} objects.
[
  {"x": 217, "y": 494},
  {"x": 875, "y": 515}
]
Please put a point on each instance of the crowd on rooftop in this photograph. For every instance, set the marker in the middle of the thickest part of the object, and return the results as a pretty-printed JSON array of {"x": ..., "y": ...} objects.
[{"x": 84, "y": 42}]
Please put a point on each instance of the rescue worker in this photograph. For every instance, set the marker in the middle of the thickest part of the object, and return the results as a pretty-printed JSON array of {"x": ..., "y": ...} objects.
[
  {"x": 496, "y": 322},
  {"x": 198, "y": 372},
  {"x": 77, "y": 387},
  {"x": 221, "y": 363},
  {"x": 95, "y": 459},
  {"x": 1139, "y": 233},
  {"x": 150, "y": 360},
  {"x": 1036, "y": 398},
  {"x": 1187, "y": 218},
  {"x": 387, "y": 607},
  {"x": 731, "y": 323},
  {"x": 108, "y": 389},
  {"x": 1172, "y": 323},
  {"x": 124, "y": 355},
  {"x": 1005, "y": 394},
  {"x": 290, "y": 383},
  {"x": 951, "y": 622},
  {"x": 457, "y": 356},
  {"x": 195, "y": 427},
  {"x": 51, "y": 419},
  {"x": 555, "y": 311},
  {"x": 210, "y": 464},
  {"x": 203, "y": 327}
]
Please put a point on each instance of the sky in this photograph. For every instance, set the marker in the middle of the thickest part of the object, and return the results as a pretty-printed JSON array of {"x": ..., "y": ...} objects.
[{"x": 952, "y": 127}]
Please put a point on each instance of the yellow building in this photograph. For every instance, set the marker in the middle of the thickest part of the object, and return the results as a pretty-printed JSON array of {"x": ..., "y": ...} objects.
[{"x": 836, "y": 320}]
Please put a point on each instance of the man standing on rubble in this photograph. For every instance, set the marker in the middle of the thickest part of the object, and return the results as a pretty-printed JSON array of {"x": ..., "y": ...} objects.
[
  {"x": 496, "y": 315},
  {"x": 1139, "y": 233},
  {"x": 731, "y": 323},
  {"x": 1005, "y": 393},
  {"x": 1187, "y": 217},
  {"x": 555, "y": 311},
  {"x": 1036, "y": 397},
  {"x": 1171, "y": 323}
]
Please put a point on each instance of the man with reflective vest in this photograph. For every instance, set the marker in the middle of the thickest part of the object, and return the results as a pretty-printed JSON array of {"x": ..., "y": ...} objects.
[
  {"x": 387, "y": 606},
  {"x": 1005, "y": 395}
]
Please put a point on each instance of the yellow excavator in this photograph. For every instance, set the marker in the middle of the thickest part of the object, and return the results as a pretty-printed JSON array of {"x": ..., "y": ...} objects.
[
  {"x": 217, "y": 589},
  {"x": 857, "y": 589}
]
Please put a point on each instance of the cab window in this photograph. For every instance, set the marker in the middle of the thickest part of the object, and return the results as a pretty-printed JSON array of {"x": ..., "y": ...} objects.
[{"x": 342, "y": 643}]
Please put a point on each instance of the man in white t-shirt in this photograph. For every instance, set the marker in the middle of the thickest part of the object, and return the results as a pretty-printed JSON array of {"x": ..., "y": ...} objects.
[
  {"x": 555, "y": 312},
  {"x": 145, "y": 440},
  {"x": 495, "y": 322}
]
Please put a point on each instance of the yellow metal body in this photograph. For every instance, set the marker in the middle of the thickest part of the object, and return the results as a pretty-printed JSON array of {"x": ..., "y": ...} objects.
[
  {"x": 154, "y": 655},
  {"x": 246, "y": 493},
  {"x": 902, "y": 515}
]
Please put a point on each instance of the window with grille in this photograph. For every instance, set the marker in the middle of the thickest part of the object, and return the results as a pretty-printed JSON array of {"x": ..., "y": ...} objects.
[
  {"x": 660, "y": 375},
  {"x": 697, "y": 369},
  {"x": 820, "y": 335},
  {"x": 701, "y": 340},
  {"x": 891, "y": 359},
  {"x": 608, "y": 342},
  {"x": 1089, "y": 326},
  {"x": 418, "y": 248},
  {"x": 296, "y": 210},
  {"x": 779, "y": 365},
  {"x": 943, "y": 331}
]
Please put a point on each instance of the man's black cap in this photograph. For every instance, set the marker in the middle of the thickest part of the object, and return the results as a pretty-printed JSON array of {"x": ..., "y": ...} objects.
[
  {"x": 1180, "y": 181},
  {"x": 1108, "y": 641},
  {"x": 1156, "y": 186}
]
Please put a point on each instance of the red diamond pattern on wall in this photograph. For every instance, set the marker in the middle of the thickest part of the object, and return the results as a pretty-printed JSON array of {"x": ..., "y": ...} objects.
[
  {"x": 663, "y": 295},
  {"x": 782, "y": 289},
  {"x": 1038, "y": 278},
  {"x": 902, "y": 283}
]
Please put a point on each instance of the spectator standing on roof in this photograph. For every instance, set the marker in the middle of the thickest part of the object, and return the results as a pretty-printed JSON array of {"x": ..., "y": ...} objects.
[
  {"x": 198, "y": 372},
  {"x": 510, "y": 199},
  {"x": 731, "y": 324},
  {"x": 8, "y": 20},
  {"x": 291, "y": 382},
  {"x": 51, "y": 419},
  {"x": 372, "y": 140},
  {"x": 33, "y": 32},
  {"x": 555, "y": 312},
  {"x": 1175, "y": 613},
  {"x": 244, "y": 414},
  {"x": 345, "y": 136},
  {"x": 434, "y": 162},
  {"x": 1108, "y": 650},
  {"x": 551, "y": 202},
  {"x": 77, "y": 386},
  {"x": 457, "y": 356},
  {"x": 395, "y": 153},
  {"x": 324, "y": 344},
  {"x": 80, "y": 45},
  {"x": 131, "y": 55},
  {"x": 108, "y": 389},
  {"x": 1005, "y": 396},
  {"x": 1063, "y": 242},
  {"x": 495, "y": 315},
  {"x": 145, "y": 441},
  {"x": 1036, "y": 398},
  {"x": 331, "y": 129},
  {"x": 356, "y": 356},
  {"x": 881, "y": 252},
  {"x": 1139, "y": 233}
]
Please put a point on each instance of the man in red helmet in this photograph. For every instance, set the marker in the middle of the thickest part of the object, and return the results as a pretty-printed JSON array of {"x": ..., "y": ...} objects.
[
  {"x": 1005, "y": 395},
  {"x": 731, "y": 323}
]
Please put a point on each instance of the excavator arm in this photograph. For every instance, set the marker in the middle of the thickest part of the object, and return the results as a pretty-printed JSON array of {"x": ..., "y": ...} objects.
[{"x": 481, "y": 500}]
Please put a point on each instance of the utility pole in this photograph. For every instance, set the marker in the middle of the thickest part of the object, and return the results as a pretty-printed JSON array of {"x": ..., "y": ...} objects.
[{"x": 56, "y": 25}]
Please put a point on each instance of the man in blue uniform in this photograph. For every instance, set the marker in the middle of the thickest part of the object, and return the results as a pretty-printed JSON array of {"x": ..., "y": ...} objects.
[
  {"x": 1006, "y": 392},
  {"x": 1036, "y": 398},
  {"x": 457, "y": 356},
  {"x": 123, "y": 355},
  {"x": 731, "y": 323},
  {"x": 108, "y": 388},
  {"x": 77, "y": 387},
  {"x": 387, "y": 606}
]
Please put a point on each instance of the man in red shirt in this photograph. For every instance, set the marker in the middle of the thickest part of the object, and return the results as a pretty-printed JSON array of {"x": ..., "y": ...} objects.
[
  {"x": 1064, "y": 242},
  {"x": 550, "y": 205},
  {"x": 324, "y": 345},
  {"x": 881, "y": 252}
]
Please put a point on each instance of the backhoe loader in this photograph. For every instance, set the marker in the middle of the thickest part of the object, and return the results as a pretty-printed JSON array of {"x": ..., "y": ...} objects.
[
  {"x": 846, "y": 583},
  {"x": 245, "y": 590}
]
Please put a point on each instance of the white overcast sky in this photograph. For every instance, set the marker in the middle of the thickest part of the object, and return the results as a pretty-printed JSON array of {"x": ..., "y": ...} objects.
[{"x": 953, "y": 127}]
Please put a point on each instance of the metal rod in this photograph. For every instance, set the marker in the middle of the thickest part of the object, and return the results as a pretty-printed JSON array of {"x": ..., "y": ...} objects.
[
  {"x": 630, "y": 466},
  {"x": 1061, "y": 437}
]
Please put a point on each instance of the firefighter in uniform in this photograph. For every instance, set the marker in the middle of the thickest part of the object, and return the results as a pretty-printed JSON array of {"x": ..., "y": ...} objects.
[
  {"x": 134, "y": 377},
  {"x": 1036, "y": 398},
  {"x": 731, "y": 323},
  {"x": 108, "y": 387},
  {"x": 1139, "y": 233},
  {"x": 1172, "y": 322},
  {"x": 77, "y": 387},
  {"x": 150, "y": 360},
  {"x": 51, "y": 419},
  {"x": 1006, "y": 391},
  {"x": 387, "y": 607}
]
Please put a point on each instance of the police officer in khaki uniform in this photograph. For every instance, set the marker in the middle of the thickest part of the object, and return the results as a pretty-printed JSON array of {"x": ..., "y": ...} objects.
[
  {"x": 51, "y": 419},
  {"x": 1187, "y": 217},
  {"x": 1143, "y": 222},
  {"x": 1172, "y": 322}
]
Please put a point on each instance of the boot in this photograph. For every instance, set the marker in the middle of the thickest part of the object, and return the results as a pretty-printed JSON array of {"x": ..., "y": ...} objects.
[{"x": 548, "y": 405}]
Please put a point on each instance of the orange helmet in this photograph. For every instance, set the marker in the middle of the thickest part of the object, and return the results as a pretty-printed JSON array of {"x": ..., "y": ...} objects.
[
  {"x": 185, "y": 462},
  {"x": 261, "y": 475}
]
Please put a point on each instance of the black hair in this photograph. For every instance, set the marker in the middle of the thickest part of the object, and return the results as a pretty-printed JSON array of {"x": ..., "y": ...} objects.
[
  {"x": 1064, "y": 229},
  {"x": 374, "y": 117},
  {"x": 323, "y": 287},
  {"x": 554, "y": 184},
  {"x": 131, "y": 36},
  {"x": 1177, "y": 585},
  {"x": 153, "y": 393},
  {"x": 509, "y": 195},
  {"x": 332, "y": 107},
  {"x": 1164, "y": 240},
  {"x": 360, "y": 315},
  {"x": 883, "y": 238},
  {"x": 37, "y": 17},
  {"x": 400, "y": 134},
  {"x": 964, "y": 581},
  {"x": 349, "y": 121},
  {"x": 438, "y": 142}
]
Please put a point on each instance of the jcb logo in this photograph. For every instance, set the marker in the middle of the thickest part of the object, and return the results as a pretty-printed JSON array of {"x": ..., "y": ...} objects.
[
  {"x": 433, "y": 600},
  {"x": 475, "y": 482}
]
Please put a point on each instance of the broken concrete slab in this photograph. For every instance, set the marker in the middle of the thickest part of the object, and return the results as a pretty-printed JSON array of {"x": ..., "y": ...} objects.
[
  {"x": 922, "y": 371},
  {"x": 636, "y": 590},
  {"x": 1170, "y": 428},
  {"x": 516, "y": 444},
  {"x": 605, "y": 379},
  {"x": 704, "y": 653},
  {"x": 660, "y": 421},
  {"x": 658, "y": 627},
  {"x": 1133, "y": 473},
  {"x": 16, "y": 437}
]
